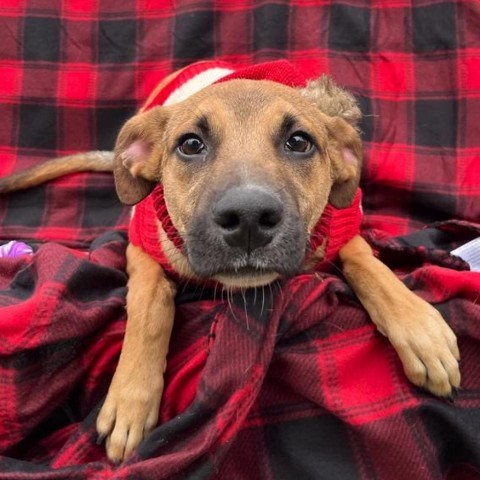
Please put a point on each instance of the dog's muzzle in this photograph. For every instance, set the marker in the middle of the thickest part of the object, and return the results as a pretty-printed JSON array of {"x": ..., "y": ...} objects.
[{"x": 246, "y": 231}]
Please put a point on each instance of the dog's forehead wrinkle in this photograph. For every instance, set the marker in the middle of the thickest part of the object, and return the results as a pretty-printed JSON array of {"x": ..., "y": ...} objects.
[{"x": 248, "y": 98}]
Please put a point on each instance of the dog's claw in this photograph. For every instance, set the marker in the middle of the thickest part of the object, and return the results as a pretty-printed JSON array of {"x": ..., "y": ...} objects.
[
  {"x": 100, "y": 438},
  {"x": 450, "y": 398}
]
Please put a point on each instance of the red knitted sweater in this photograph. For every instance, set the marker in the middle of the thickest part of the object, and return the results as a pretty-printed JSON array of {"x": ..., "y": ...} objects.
[{"x": 336, "y": 226}]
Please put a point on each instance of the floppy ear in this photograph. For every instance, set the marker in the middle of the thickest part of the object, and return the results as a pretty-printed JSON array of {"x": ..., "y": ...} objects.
[
  {"x": 345, "y": 152},
  {"x": 344, "y": 148},
  {"x": 137, "y": 163}
]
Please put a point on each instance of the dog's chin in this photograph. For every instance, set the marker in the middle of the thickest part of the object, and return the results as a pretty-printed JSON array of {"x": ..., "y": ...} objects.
[{"x": 246, "y": 278}]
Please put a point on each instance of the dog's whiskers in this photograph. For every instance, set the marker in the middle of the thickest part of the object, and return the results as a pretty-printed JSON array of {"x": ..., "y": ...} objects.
[
  {"x": 185, "y": 285},
  {"x": 271, "y": 292},
  {"x": 263, "y": 300},
  {"x": 280, "y": 289},
  {"x": 230, "y": 301},
  {"x": 242, "y": 290},
  {"x": 225, "y": 290}
]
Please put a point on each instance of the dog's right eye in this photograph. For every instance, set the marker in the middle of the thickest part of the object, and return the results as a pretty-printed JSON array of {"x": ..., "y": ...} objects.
[
  {"x": 299, "y": 143},
  {"x": 191, "y": 145}
]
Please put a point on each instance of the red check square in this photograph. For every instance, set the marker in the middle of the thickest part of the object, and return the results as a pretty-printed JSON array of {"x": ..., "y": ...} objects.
[
  {"x": 80, "y": 6},
  {"x": 9, "y": 81},
  {"x": 394, "y": 75},
  {"x": 472, "y": 72},
  {"x": 77, "y": 85},
  {"x": 392, "y": 164},
  {"x": 363, "y": 373}
]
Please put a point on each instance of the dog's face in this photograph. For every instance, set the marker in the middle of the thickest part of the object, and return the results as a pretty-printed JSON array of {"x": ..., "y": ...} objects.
[{"x": 247, "y": 168}]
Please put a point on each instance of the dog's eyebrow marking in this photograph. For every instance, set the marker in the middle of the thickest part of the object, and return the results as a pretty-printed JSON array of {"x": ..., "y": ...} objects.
[
  {"x": 203, "y": 125},
  {"x": 287, "y": 125}
]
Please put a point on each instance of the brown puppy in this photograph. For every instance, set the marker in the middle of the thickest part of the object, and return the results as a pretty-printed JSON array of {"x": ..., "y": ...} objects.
[{"x": 220, "y": 155}]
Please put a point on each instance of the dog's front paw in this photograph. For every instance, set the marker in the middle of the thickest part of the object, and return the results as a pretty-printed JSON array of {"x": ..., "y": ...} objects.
[
  {"x": 427, "y": 348},
  {"x": 129, "y": 413}
]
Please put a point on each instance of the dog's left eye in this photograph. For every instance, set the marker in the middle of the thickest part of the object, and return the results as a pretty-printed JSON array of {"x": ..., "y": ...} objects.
[
  {"x": 191, "y": 145},
  {"x": 299, "y": 143}
]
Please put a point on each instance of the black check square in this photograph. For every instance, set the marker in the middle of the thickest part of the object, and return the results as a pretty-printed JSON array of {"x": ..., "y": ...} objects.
[
  {"x": 117, "y": 41},
  {"x": 109, "y": 122},
  {"x": 194, "y": 38},
  {"x": 102, "y": 207},
  {"x": 442, "y": 425},
  {"x": 270, "y": 27},
  {"x": 23, "y": 285},
  {"x": 429, "y": 206},
  {"x": 38, "y": 126},
  {"x": 434, "y": 28},
  {"x": 310, "y": 442},
  {"x": 349, "y": 28},
  {"x": 28, "y": 205},
  {"x": 42, "y": 39},
  {"x": 366, "y": 120},
  {"x": 100, "y": 284},
  {"x": 436, "y": 123}
]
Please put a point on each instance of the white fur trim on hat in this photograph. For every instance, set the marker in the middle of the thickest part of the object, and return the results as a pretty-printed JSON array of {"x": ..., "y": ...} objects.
[{"x": 197, "y": 83}]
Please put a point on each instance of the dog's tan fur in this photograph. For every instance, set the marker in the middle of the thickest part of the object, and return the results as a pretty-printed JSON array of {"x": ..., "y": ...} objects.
[
  {"x": 244, "y": 117},
  {"x": 79, "y": 162},
  {"x": 136, "y": 390}
]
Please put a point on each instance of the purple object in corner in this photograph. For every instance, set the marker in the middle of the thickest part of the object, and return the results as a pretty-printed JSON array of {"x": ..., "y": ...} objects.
[{"x": 15, "y": 249}]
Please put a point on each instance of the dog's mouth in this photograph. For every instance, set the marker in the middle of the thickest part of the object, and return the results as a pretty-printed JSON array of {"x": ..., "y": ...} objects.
[
  {"x": 246, "y": 273},
  {"x": 246, "y": 277}
]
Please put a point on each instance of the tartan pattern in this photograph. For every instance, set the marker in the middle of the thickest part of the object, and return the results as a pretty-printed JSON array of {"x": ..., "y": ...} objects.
[
  {"x": 313, "y": 392},
  {"x": 329, "y": 399}
]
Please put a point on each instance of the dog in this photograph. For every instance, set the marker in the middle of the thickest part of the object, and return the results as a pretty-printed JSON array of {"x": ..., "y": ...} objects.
[{"x": 239, "y": 175}]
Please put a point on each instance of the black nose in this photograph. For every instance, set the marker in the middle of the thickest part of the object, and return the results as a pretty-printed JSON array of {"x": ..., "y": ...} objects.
[{"x": 247, "y": 217}]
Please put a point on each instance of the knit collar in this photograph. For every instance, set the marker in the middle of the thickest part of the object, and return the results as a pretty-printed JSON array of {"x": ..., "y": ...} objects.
[{"x": 332, "y": 231}]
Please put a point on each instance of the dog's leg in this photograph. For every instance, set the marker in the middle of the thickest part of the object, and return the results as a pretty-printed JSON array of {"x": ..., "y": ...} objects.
[
  {"x": 425, "y": 343},
  {"x": 131, "y": 408}
]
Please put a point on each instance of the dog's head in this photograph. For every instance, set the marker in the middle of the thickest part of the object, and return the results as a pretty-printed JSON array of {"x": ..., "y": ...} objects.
[{"x": 247, "y": 168}]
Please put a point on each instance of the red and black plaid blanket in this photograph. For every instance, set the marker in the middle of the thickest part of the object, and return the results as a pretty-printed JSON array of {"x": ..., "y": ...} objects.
[{"x": 286, "y": 382}]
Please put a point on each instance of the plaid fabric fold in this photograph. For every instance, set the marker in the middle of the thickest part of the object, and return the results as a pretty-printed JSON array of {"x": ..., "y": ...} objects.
[{"x": 286, "y": 379}]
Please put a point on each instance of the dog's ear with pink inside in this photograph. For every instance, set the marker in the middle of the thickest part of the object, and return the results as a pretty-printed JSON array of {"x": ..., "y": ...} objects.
[
  {"x": 344, "y": 148},
  {"x": 136, "y": 167},
  {"x": 346, "y": 157}
]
